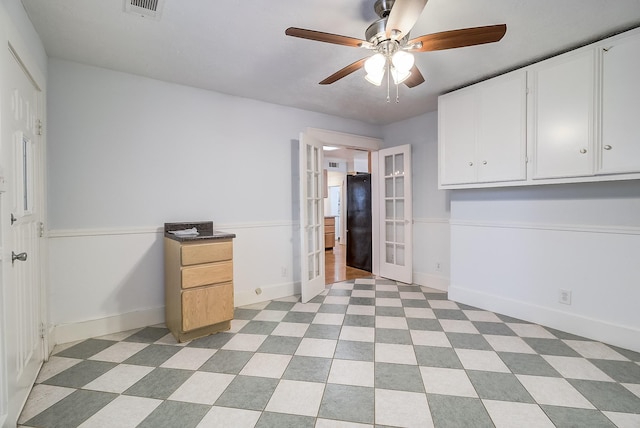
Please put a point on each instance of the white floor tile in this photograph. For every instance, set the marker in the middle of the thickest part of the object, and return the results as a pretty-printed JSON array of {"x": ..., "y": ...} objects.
[
  {"x": 458, "y": 326},
  {"x": 595, "y": 350},
  {"x": 633, "y": 387},
  {"x": 306, "y": 307},
  {"x": 189, "y": 358},
  {"x": 268, "y": 315},
  {"x": 530, "y": 330},
  {"x": 447, "y": 382},
  {"x": 54, "y": 366},
  {"x": 257, "y": 306},
  {"x": 291, "y": 329},
  {"x": 443, "y": 304},
  {"x": 266, "y": 365},
  {"x": 509, "y": 344},
  {"x": 412, "y": 295},
  {"x": 316, "y": 347},
  {"x": 430, "y": 338},
  {"x": 123, "y": 412},
  {"x": 336, "y": 300},
  {"x": 347, "y": 372},
  {"x": 402, "y": 409},
  {"x": 391, "y": 353},
  {"x": 484, "y": 316},
  {"x": 399, "y": 323},
  {"x": 419, "y": 313},
  {"x": 361, "y": 310},
  {"x": 62, "y": 346},
  {"x": 202, "y": 388},
  {"x": 328, "y": 319},
  {"x": 119, "y": 378},
  {"x": 431, "y": 290},
  {"x": 222, "y": 417},
  {"x": 329, "y": 423},
  {"x": 236, "y": 325},
  {"x": 364, "y": 293},
  {"x": 489, "y": 361},
  {"x": 368, "y": 281},
  {"x": 296, "y": 397},
  {"x": 41, "y": 398},
  {"x": 576, "y": 368},
  {"x": 342, "y": 286},
  {"x": 624, "y": 420},
  {"x": 358, "y": 334},
  {"x": 388, "y": 302},
  {"x": 169, "y": 339},
  {"x": 387, "y": 287},
  {"x": 554, "y": 391},
  {"x": 245, "y": 342},
  {"x": 290, "y": 299},
  {"x": 506, "y": 414},
  {"x": 119, "y": 352},
  {"x": 120, "y": 335}
]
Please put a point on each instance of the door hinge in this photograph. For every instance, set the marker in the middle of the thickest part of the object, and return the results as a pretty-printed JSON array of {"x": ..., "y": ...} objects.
[
  {"x": 41, "y": 229},
  {"x": 38, "y": 127},
  {"x": 42, "y": 330}
]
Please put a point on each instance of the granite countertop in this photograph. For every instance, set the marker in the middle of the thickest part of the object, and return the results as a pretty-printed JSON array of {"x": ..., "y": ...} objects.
[{"x": 205, "y": 231}]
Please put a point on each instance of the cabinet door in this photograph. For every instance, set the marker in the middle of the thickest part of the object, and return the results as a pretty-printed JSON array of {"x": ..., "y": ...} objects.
[
  {"x": 502, "y": 115},
  {"x": 620, "y": 144},
  {"x": 457, "y": 136},
  {"x": 563, "y": 116},
  {"x": 206, "y": 306}
]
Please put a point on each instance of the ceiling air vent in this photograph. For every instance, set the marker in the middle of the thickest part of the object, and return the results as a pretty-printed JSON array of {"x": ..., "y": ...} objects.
[
  {"x": 144, "y": 8},
  {"x": 334, "y": 165}
]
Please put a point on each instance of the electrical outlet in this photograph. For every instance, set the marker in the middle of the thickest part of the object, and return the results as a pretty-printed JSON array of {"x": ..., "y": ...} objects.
[
  {"x": 438, "y": 267},
  {"x": 564, "y": 297}
]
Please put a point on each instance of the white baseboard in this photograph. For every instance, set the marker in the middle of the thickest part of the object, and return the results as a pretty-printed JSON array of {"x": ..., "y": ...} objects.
[
  {"x": 271, "y": 292},
  {"x": 431, "y": 281},
  {"x": 65, "y": 333},
  {"x": 613, "y": 334}
]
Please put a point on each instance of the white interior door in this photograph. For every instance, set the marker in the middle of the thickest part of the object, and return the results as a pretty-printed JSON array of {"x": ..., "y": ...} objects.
[
  {"x": 311, "y": 217},
  {"x": 395, "y": 245},
  {"x": 21, "y": 201}
]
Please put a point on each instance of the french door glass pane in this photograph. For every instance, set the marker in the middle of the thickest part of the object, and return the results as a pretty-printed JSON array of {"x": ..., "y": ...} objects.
[
  {"x": 399, "y": 164},
  {"x": 400, "y": 232},
  {"x": 388, "y": 209},
  {"x": 399, "y": 209},
  {"x": 389, "y": 236},
  {"x": 388, "y": 166},
  {"x": 310, "y": 212},
  {"x": 388, "y": 187},
  {"x": 389, "y": 253},
  {"x": 309, "y": 158},
  {"x": 400, "y": 255},
  {"x": 399, "y": 187},
  {"x": 310, "y": 266}
]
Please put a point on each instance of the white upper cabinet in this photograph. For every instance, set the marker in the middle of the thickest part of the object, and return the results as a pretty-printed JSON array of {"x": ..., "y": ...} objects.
[
  {"x": 482, "y": 132},
  {"x": 619, "y": 146},
  {"x": 563, "y": 91}
]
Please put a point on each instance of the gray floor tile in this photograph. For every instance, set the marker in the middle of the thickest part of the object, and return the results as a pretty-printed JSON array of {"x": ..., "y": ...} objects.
[
  {"x": 410, "y": 288},
  {"x": 608, "y": 396},
  {"x": 317, "y": 299},
  {"x": 423, "y": 324},
  {"x": 351, "y": 350},
  {"x": 348, "y": 403},
  {"x": 550, "y": 347},
  {"x": 506, "y": 318},
  {"x": 399, "y": 377},
  {"x": 299, "y": 317},
  {"x": 467, "y": 307},
  {"x": 213, "y": 341},
  {"x": 148, "y": 335},
  {"x": 414, "y": 303},
  {"x": 362, "y": 301},
  {"x": 310, "y": 369},
  {"x": 528, "y": 364},
  {"x": 391, "y": 335},
  {"x": 469, "y": 341},
  {"x": 359, "y": 320},
  {"x": 564, "y": 336},
  {"x": 245, "y": 314},
  {"x": 323, "y": 331},
  {"x": 152, "y": 355},
  {"x": 343, "y": 293},
  {"x": 436, "y": 296},
  {"x": 450, "y": 314},
  {"x": 229, "y": 362},
  {"x": 499, "y": 386},
  {"x": 86, "y": 349},
  {"x": 632, "y": 355},
  {"x": 259, "y": 327},
  {"x": 80, "y": 374},
  {"x": 388, "y": 294},
  {"x": 494, "y": 328},
  {"x": 281, "y": 420},
  {"x": 388, "y": 311},
  {"x": 566, "y": 417},
  {"x": 364, "y": 287},
  {"x": 280, "y": 345},
  {"x": 72, "y": 410},
  {"x": 280, "y": 306},
  {"x": 434, "y": 356},
  {"x": 620, "y": 371},
  {"x": 248, "y": 392},
  {"x": 159, "y": 384},
  {"x": 455, "y": 412},
  {"x": 171, "y": 414}
]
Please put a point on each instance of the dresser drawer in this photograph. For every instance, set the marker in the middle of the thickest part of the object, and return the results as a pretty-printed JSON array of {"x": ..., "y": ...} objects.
[
  {"x": 194, "y": 254},
  {"x": 195, "y": 276},
  {"x": 207, "y": 306}
]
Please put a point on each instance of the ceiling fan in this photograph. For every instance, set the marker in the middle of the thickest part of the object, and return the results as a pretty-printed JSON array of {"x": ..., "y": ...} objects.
[{"x": 389, "y": 38}]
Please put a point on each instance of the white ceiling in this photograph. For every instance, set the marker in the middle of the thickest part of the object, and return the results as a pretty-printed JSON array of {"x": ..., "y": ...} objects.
[{"x": 239, "y": 47}]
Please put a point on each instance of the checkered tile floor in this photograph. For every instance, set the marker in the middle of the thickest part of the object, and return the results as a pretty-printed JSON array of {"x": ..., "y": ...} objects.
[{"x": 365, "y": 353}]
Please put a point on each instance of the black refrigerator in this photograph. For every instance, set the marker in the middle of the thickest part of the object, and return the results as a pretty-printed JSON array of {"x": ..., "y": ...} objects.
[{"x": 359, "y": 221}]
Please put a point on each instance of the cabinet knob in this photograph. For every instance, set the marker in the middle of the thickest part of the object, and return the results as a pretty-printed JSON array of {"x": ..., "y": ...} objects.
[
  {"x": 484, "y": 162},
  {"x": 583, "y": 151},
  {"x": 470, "y": 163},
  {"x": 607, "y": 147}
]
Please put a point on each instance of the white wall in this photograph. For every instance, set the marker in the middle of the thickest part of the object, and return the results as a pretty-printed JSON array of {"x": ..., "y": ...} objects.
[
  {"x": 128, "y": 153},
  {"x": 513, "y": 249},
  {"x": 430, "y": 205}
]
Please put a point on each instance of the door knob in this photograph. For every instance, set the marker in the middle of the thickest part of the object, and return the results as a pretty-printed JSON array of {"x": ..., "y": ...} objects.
[
  {"x": 607, "y": 147},
  {"x": 583, "y": 151},
  {"x": 21, "y": 256}
]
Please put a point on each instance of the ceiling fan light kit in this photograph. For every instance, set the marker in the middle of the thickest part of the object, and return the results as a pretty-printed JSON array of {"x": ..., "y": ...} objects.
[{"x": 389, "y": 38}]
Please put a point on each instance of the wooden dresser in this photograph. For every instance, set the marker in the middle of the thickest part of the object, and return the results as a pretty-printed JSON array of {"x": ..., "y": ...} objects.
[
  {"x": 198, "y": 281},
  {"x": 329, "y": 232}
]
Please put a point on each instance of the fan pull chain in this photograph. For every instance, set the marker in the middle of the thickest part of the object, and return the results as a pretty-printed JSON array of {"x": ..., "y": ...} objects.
[
  {"x": 397, "y": 94},
  {"x": 388, "y": 82}
]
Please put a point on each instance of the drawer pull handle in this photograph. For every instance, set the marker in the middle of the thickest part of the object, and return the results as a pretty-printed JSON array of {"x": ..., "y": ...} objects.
[
  {"x": 484, "y": 162},
  {"x": 583, "y": 151},
  {"x": 470, "y": 163},
  {"x": 607, "y": 147}
]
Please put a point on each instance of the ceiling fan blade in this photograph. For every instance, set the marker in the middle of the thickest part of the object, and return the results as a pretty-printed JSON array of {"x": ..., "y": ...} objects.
[
  {"x": 403, "y": 17},
  {"x": 459, "y": 38},
  {"x": 326, "y": 37},
  {"x": 415, "y": 79},
  {"x": 344, "y": 72}
]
